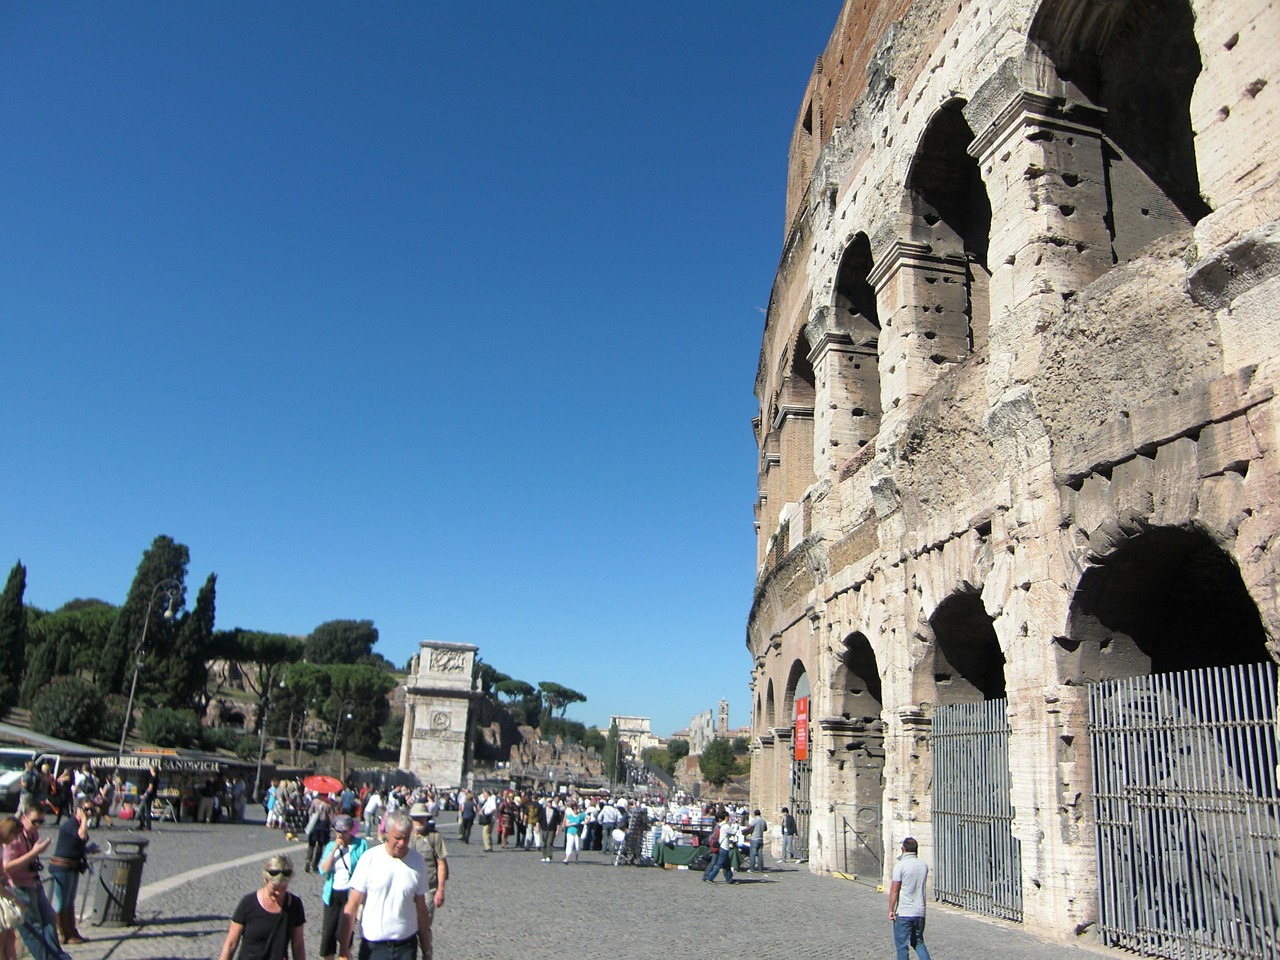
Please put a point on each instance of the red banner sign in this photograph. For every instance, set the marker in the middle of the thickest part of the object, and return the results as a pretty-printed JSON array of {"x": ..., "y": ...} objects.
[{"x": 802, "y": 728}]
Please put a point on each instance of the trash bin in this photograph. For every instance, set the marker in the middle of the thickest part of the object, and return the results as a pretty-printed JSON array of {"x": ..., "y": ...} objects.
[{"x": 115, "y": 901}]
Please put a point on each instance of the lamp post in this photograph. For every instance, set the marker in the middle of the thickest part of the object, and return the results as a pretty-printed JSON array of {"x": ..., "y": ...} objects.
[
  {"x": 172, "y": 589},
  {"x": 262, "y": 739},
  {"x": 344, "y": 711}
]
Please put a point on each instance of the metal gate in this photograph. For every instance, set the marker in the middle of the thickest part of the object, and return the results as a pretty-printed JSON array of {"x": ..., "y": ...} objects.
[
  {"x": 801, "y": 773},
  {"x": 1188, "y": 813},
  {"x": 977, "y": 861},
  {"x": 861, "y": 847}
]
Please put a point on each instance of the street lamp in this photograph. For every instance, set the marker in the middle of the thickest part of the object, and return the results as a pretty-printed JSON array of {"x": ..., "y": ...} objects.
[
  {"x": 262, "y": 738},
  {"x": 344, "y": 711},
  {"x": 172, "y": 589}
]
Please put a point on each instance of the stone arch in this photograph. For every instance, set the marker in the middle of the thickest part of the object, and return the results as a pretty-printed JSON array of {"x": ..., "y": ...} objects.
[
  {"x": 857, "y": 388},
  {"x": 1139, "y": 61},
  {"x": 1167, "y": 600},
  {"x": 968, "y": 663},
  {"x": 857, "y": 685},
  {"x": 950, "y": 216},
  {"x": 797, "y": 686},
  {"x": 770, "y": 712}
]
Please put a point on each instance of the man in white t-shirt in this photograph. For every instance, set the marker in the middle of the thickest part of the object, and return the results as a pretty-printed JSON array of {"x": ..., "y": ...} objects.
[
  {"x": 390, "y": 882},
  {"x": 906, "y": 901}
]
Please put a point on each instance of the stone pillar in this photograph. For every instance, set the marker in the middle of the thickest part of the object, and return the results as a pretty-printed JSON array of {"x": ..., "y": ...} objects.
[
  {"x": 794, "y": 425},
  {"x": 846, "y": 410},
  {"x": 923, "y": 301},
  {"x": 438, "y": 713},
  {"x": 1044, "y": 170},
  {"x": 849, "y": 792}
]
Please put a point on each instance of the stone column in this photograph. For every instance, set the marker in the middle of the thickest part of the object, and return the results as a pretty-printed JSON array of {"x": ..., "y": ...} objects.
[
  {"x": 846, "y": 409},
  {"x": 1043, "y": 165}
]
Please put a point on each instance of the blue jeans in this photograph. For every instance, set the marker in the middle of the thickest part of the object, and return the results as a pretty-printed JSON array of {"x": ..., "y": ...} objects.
[
  {"x": 37, "y": 929},
  {"x": 756, "y": 860},
  {"x": 789, "y": 846},
  {"x": 389, "y": 949},
  {"x": 909, "y": 932},
  {"x": 721, "y": 862}
]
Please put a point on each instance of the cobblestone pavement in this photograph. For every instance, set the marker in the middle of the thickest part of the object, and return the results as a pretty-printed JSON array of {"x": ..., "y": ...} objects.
[{"x": 507, "y": 905}]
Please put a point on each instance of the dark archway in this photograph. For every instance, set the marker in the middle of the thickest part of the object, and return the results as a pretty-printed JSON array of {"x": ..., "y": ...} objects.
[
  {"x": 968, "y": 663},
  {"x": 858, "y": 680},
  {"x": 858, "y": 316},
  {"x": 951, "y": 214},
  {"x": 1139, "y": 60},
  {"x": 1168, "y": 600}
]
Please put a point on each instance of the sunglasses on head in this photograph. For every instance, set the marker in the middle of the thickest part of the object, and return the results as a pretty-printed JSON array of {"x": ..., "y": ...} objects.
[{"x": 280, "y": 873}]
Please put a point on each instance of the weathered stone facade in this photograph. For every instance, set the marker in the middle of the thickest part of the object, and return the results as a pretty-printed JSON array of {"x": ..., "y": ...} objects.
[
  {"x": 1017, "y": 418},
  {"x": 438, "y": 715}
]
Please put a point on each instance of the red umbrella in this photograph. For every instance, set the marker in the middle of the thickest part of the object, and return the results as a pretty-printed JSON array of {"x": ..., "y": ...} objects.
[{"x": 319, "y": 783}]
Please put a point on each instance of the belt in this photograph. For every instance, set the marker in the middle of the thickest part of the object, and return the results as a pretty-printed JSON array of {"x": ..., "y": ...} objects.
[
  {"x": 64, "y": 862},
  {"x": 412, "y": 939}
]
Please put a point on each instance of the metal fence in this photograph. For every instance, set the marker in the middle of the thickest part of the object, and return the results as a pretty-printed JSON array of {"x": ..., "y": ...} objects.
[
  {"x": 861, "y": 848},
  {"x": 977, "y": 860},
  {"x": 1188, "y": 813},
  {"x": 801, "y": 808}
]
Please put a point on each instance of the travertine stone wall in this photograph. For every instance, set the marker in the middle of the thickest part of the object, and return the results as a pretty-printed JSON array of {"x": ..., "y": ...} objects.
[
  {"x": 438, "y": 716},
  {"x": 1016, "y": 393}
]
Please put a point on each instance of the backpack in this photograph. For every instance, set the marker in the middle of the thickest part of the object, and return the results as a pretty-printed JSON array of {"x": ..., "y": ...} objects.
[{"x": 713, "y": 841}]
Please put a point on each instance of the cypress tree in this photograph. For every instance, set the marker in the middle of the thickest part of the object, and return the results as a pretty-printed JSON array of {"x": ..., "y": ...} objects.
[
  {"x": 165, "y": 559},
  {"x": 13, "y": 624}
]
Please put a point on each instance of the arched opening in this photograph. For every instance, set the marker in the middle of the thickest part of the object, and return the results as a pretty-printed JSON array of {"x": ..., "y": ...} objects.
[
  {"x": 1139, "y": 61},
  {"x": 951, "y": 215},
  {"x": 796, "y": 707},
  {"x": 1168, "y": 600},
  {"x": 857, "y": 768},
  {"x": 770, "y": 715},
  {"x": 1182, "y": 750},
  {"x": 858, "y": 681},
  {"x": 968, "y": 664},
  {"x": 857, "y": 388}
]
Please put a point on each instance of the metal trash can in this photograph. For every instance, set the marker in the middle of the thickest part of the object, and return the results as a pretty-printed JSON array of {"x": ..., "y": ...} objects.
[{"x": 115, "y": 900}]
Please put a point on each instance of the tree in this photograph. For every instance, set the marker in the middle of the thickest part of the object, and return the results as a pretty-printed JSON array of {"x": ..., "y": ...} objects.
[
  {"x": 594, "y": 740},
  {"x": 366, "y": 688},
  {"x": 262, "y": 657},
  {"x": 169, "y": 728},
  {"x": 661, "y": 759},
  {"x": 165, "y": 559},
  {"x": 69, "y": 708},
  {"x": 341, "y": 641},
  {"x": 678, "y": 748},
  {"x": 488, "y": 677},
  {"x": 558, "y": 697},
  {"x": 611, "y": 752},
  {"x": 13, "y": 630},
  {"x": 178, "y": 674},
  {"x": 717, "y": 762},
  {"x": 302, "y": 690}
]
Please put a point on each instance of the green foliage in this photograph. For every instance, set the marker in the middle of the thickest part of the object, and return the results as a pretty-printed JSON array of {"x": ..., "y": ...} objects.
[
  {"x": 69, "y": 708},
  {"x": 611, "y": 752},
  {"x": 221, "y": 738},
  {"x": 51, "y": 658},
  {"x": 514, "y": 690},
  {"x": 558, "y": 697},
  {"x": 740, "y": 746},
  {"x": 594, "y": 740},
  {"x": 114, "y": 706},
  {"x": 366, "y": 688},
  {"x": 661, "y": 759},
  {"x": 247, "y": 748},
  {"x": 13, "y": 624},
  {"x": 8, "y": 696},
  {"x": 262, "y": 658},
  {"x": 341, "y": 641},
  {"x": 488, "y": 677},
  {"x": 571, "y": 731},
  {"x": 165, "y": 559},
  {"x": 166, "y": 727},
  {"x": 393, "y": 731},
  {"x": 678, "y": 748},
  {"x": 176, "y": 675},
  {"x": 717, "y": 762}
]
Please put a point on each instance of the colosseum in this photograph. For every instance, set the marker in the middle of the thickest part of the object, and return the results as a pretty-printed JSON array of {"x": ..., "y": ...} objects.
[{"x": 1017, "y": 589}]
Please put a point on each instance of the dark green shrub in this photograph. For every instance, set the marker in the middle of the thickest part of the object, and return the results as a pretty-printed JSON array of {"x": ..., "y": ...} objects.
[
  {"x": 247, "y": 748},
  {"x": 8, "y": 696},
  {"x": 69, "y": 708},
  {"x": 166, "y": 727},
  {"x": 114, "y": 705},
  {"x": 220, "y": 738}
]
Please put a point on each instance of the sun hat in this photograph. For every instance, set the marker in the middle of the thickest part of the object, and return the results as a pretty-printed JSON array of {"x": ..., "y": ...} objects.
[{"x": 419, "y": 811}]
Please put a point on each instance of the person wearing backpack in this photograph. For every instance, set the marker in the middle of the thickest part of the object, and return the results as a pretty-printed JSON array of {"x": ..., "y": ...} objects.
[{"x": 722, "y": 844}]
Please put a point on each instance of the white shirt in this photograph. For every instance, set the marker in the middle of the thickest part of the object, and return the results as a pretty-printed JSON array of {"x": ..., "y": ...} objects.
[{"x": 389, "y": 886}]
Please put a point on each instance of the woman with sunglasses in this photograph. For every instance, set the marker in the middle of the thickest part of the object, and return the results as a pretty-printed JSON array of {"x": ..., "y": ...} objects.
[
  {"x": 23, "y": 866},
  {"x": 269, "y": 920},
  {"x": 65, "y": 867}
]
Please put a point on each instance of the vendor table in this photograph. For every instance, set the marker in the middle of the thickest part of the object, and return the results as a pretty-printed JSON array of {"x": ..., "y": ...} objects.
[{"x": 681, "y": 855}]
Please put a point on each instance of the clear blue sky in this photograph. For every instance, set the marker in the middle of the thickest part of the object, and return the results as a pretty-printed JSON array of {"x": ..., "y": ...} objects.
[{"x": 440, "y": 315}]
